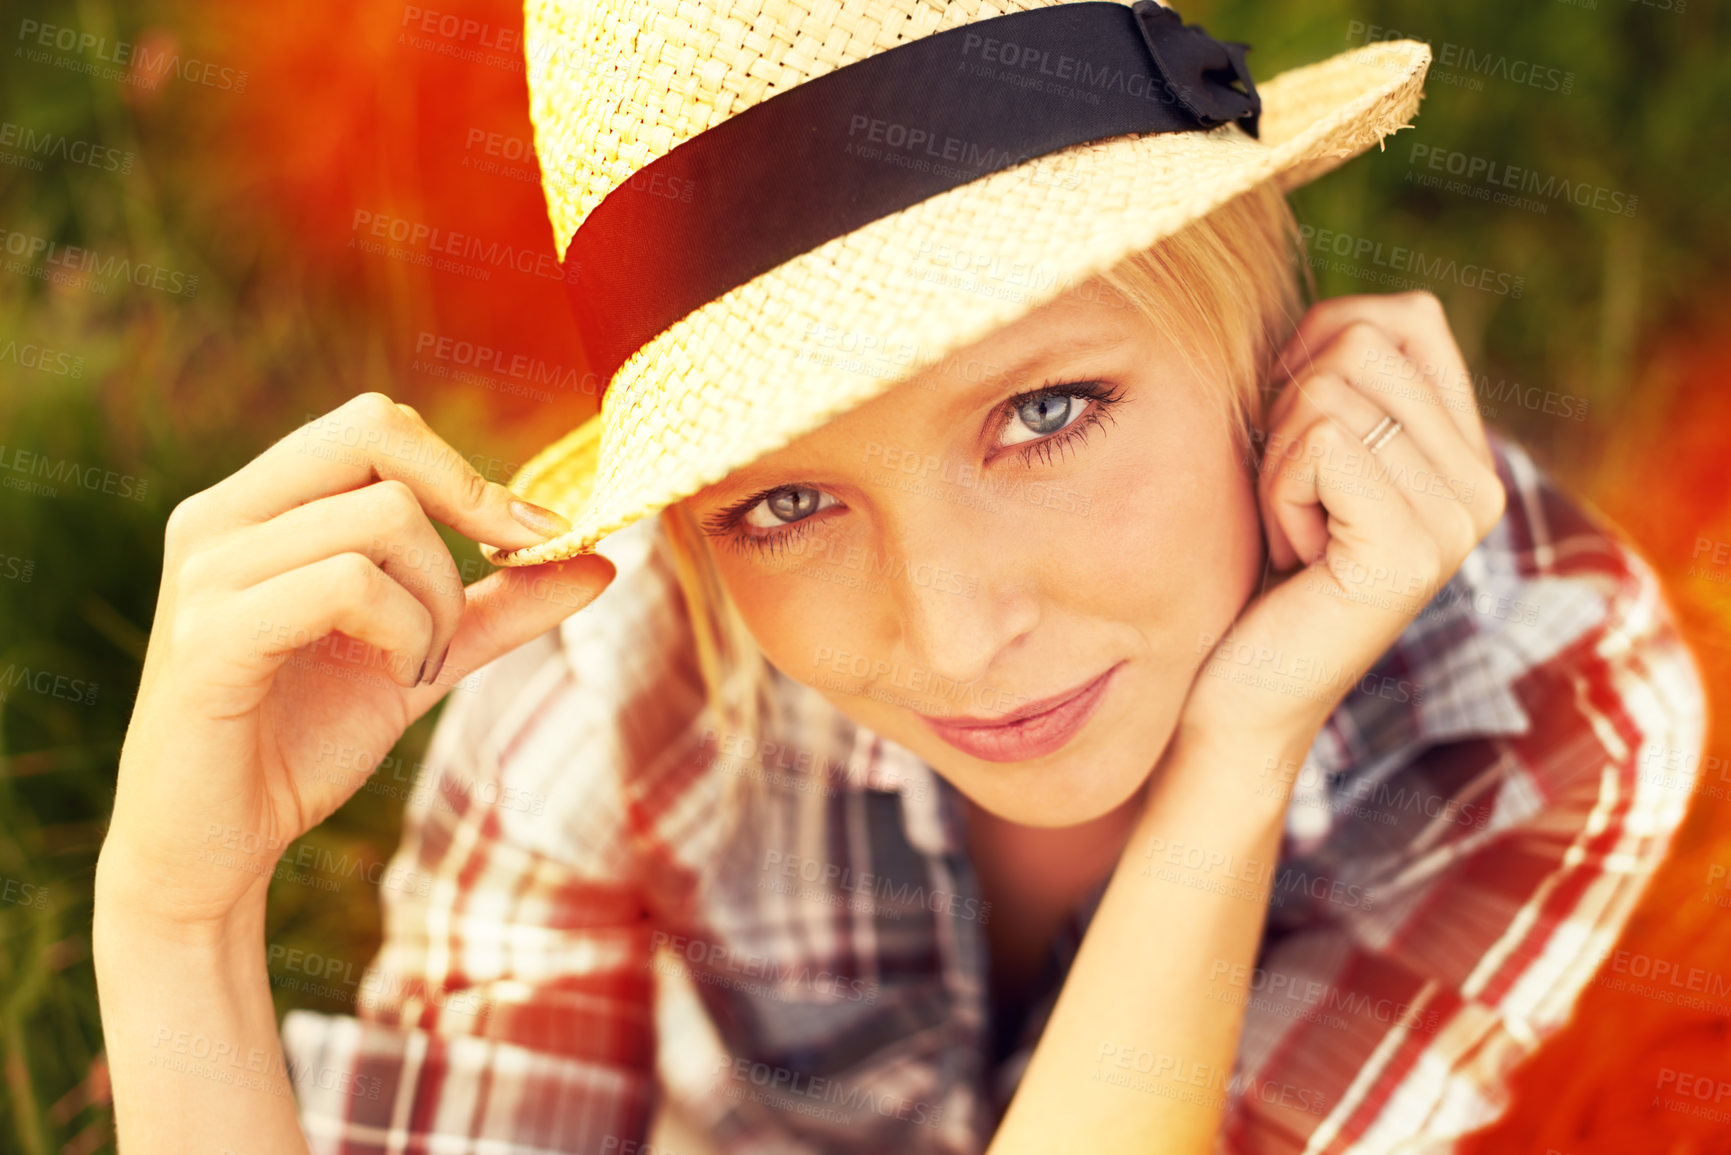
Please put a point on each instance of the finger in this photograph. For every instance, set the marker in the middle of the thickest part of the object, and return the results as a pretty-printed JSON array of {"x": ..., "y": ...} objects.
[
  {"x": 508, "y": 608},
  {"x": 1418, "y": 327},
  {"x": 1356, "y": 527},
  {"x": 367, "y": 439},
  {"x": 1320, "y": 395},
  {"x": 1281, "y": 450},
  {"x": 1362, "y": 353},
  {"x": 1290, "y": 490},
  {"x": 1431, "y": 416},
  {"x": 1397, "y": 471},
  {"x": 383, "y": 521},
  {"x": 346, "y": 593}
]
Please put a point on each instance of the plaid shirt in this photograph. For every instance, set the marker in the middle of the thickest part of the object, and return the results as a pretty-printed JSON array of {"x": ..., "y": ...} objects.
[{"x": 1473, "y": 826}]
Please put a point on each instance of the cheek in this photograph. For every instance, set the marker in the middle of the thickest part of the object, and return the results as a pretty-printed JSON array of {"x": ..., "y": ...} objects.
[
  {"x": 806, "y": 623},
  {"x": 1180, "y": 541}
]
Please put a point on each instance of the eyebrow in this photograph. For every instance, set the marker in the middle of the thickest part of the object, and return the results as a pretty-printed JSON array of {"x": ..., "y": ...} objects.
[{"x": 1016, "y": 373}]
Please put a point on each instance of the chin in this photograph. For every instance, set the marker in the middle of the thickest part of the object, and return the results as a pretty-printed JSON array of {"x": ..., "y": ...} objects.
[{"x": 1065, "y": 791}]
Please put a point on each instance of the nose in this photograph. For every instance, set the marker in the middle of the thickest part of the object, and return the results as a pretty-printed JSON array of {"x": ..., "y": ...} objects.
[{"x": 960, "y": 587}]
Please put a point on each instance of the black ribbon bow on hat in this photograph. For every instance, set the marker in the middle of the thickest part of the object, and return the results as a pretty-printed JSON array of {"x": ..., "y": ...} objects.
[{"x": 1199, "y": 69}]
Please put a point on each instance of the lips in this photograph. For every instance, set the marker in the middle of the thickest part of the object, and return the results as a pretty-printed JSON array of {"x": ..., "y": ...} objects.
[{"x": 1030, "y": 731}]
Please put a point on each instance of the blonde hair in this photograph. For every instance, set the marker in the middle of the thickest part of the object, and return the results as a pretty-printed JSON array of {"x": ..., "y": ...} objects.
[{"x": 1227, "y": 291}]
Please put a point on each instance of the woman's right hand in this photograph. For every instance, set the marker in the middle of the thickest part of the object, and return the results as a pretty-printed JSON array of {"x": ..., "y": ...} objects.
[{"x": 301, "y": 598}]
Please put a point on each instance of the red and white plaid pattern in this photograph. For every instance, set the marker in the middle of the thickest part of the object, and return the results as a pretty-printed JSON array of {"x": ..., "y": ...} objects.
[{"x": 1468, "y": 836}]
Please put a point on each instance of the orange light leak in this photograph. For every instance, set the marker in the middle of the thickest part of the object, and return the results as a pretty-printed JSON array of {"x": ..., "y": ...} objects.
[{"x": 390, "y": 148}]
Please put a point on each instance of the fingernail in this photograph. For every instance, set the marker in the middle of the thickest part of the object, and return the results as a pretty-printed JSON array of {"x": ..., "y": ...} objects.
[
  {"x": 538, "y": 518},
  {"x": 440, "y": 664}
]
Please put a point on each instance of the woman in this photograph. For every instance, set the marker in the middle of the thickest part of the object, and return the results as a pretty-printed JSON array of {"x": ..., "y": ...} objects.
[{"x": 1139, "y": 607}]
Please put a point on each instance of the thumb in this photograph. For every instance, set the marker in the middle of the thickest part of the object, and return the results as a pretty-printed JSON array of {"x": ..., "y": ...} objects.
[{"x": 510, "y": 607}]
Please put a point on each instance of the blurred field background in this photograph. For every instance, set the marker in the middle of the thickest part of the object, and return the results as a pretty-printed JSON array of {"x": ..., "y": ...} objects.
[{"x": 234, "y": 174}]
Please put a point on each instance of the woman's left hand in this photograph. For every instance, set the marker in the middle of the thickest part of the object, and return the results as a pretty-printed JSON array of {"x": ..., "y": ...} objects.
[{"x": 1377, "y": 534}]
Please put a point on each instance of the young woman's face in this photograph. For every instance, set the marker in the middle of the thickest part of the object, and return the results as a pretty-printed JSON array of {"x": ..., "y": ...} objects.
[{"x": 1007, "y": 565}]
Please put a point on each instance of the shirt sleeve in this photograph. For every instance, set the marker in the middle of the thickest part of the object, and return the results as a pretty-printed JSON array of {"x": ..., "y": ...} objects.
[
  {"x": 1434, "y": 955},
  {"x": 510, "y": 1008}
]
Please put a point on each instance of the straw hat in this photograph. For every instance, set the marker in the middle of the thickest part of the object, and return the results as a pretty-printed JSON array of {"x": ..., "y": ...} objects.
[{"x": 746, "y": 365}]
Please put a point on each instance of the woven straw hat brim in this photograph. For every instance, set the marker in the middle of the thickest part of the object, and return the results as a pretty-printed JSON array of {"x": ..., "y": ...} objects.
[{"x": 770, "y": 360}]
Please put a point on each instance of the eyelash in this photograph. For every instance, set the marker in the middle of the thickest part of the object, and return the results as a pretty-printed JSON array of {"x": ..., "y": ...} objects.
[{"x": 728, "y": 524}]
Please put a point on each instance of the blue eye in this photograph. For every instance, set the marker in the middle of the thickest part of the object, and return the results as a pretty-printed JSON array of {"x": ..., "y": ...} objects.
[
  {"x": 787, "y": 505},
  {"x": 1033, "y": 419},
  {"x": 1040, "y": 416}
]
